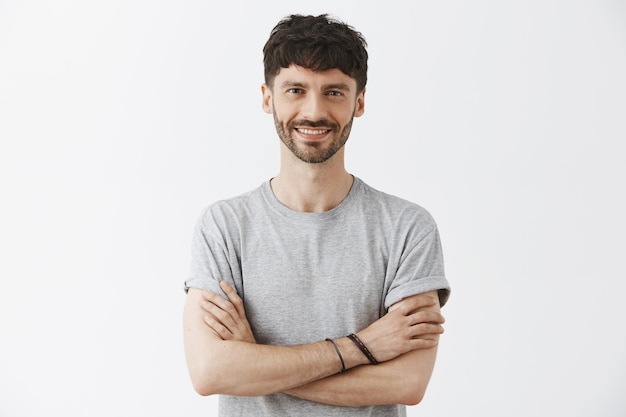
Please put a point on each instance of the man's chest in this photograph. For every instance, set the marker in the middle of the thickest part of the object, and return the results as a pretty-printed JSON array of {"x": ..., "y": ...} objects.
[{"x": 306, "y": 286}]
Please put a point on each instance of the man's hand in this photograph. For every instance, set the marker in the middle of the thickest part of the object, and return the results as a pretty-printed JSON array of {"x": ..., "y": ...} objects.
[
  {"x": 227, "y": 318},
  {"x": 411, "y": 324}
]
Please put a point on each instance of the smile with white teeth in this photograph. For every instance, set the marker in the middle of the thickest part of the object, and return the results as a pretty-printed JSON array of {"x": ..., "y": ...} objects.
[{"x": 313, "y": 131}]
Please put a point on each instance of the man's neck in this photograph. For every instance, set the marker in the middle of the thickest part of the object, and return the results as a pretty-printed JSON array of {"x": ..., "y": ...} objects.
[{"x": 313, "y": 188}]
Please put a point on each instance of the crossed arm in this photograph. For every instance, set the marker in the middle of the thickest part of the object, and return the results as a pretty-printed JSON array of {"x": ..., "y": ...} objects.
[{"x": 224, "y": 358}]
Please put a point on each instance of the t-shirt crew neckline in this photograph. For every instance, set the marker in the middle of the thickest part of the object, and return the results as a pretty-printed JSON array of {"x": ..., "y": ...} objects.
[{"x": 333, "y": 213}]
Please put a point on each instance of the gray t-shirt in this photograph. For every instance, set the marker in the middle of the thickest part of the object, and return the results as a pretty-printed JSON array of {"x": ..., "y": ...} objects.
[{"x": 305, "y": 277}]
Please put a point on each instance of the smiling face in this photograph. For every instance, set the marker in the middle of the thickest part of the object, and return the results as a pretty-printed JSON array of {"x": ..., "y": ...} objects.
[{"x": 313, "y": 111}]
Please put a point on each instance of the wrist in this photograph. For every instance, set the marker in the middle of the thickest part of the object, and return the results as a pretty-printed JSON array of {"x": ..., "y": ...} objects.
[
  {"x": 352, "y": 355},
  {"x": 366, "y": 352}
]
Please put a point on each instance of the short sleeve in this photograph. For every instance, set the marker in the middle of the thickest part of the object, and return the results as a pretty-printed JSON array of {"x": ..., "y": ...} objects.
[
  {"x": 209, "y": 257},
  {"x": 420, "y": 270}
]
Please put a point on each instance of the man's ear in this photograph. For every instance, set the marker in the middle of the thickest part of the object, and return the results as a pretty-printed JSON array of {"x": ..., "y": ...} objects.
[
  {"x": 267, "y": 98},
  {"x": 359, "y": 109}
]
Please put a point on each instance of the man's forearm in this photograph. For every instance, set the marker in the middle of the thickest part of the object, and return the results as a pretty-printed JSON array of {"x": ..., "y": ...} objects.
[
  {"x": 400, "y": 381},
  {"x": 234, "y": 367},
  {"x": 240, "y": 368}
]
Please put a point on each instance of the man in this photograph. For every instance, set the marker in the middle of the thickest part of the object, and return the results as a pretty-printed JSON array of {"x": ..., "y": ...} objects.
[{"x": 315, "y": 294}]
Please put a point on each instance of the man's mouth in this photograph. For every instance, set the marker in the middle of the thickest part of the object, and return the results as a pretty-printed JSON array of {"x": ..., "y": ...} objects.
[{"x": 314, "y": 132}]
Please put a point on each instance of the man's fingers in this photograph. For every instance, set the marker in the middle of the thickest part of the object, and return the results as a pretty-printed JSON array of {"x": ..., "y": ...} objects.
[
  {"x": 220, "y": 302},
  {"x": 411, "y": 305},
  {"x": 221, "y": 330},
  {"x": 224, "y": 317},
  {"x": 426, "y": 317},
  {"x": 233, "y": 297},
  {"x": 423, "y": 329},
  {"x": 220, "y": 308},
  {"x": 216, "y": 299},
  {"x": 226, "y": 287},
  {"x": 424, "y": 343}
]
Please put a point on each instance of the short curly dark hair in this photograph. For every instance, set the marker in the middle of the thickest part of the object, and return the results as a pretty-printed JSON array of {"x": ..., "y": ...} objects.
[{"x": 318, "y": 43}]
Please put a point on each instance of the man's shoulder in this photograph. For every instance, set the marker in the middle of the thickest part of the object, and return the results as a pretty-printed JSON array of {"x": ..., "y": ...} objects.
[
  {"x": 231, "y": 208},
  {"x": 395, "y": 207},
  {"x": 249, "y": 197}
]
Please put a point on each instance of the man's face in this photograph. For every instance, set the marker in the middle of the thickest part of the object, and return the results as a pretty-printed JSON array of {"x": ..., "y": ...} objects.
[{"x": 313, "y": 111}]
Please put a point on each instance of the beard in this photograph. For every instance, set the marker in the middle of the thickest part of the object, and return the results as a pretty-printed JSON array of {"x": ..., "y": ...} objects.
[{"x": 313, "y": 152}]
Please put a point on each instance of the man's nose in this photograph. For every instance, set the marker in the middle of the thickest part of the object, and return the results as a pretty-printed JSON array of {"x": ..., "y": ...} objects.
[{"x": 314, "y": 107}]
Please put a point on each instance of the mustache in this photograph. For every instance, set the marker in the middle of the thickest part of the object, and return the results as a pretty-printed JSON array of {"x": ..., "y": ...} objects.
[{"x": 310, "y": 123}]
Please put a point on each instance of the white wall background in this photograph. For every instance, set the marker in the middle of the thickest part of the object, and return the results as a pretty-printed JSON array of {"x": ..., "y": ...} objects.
[{"x": 121, "y": 120}]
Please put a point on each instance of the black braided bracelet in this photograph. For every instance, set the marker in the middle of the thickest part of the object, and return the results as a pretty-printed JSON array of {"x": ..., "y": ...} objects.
[
  {"x": 363, "y": 348},
  {"x": 343, "y": 365}
]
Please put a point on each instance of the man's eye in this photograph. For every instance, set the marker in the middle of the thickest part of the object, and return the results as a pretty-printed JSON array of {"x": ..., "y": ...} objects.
[
  {"x": 335, "y": 93},
  {"x": 295, "y": 91}
]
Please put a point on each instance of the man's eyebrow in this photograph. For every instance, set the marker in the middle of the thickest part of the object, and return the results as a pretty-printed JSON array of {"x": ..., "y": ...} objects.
[
  {"x": 291, "y": 84},
  {"x": 337, "y": 86}
]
